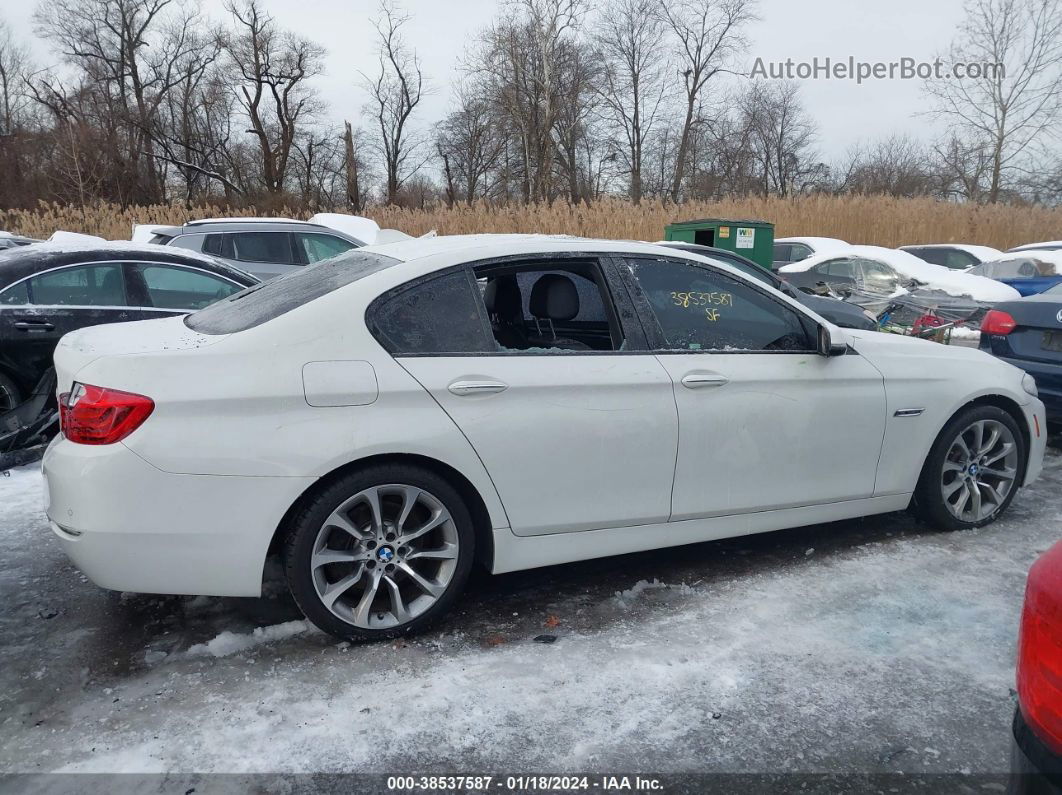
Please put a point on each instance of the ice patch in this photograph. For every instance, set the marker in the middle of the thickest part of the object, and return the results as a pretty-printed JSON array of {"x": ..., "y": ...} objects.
[{"x": 228, "y": 643}]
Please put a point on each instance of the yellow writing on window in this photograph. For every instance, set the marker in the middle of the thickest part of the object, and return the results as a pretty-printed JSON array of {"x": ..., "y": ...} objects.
[{"x": 694, "y": 298}]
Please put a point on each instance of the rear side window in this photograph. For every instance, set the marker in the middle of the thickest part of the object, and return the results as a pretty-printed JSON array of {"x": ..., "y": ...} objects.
[
  {"x": 268, "y": 300},
  {"x": 437, "y": 316},
  {"x": 316, "y": 246},
  {"x": 86, "y": 285},
  {"x": 13, "y": 296},
  {"x": 272, "y": 247},
  {"x": 171, "y": 287}
]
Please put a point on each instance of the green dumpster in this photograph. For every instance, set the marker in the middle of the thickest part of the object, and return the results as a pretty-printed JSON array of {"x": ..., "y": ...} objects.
[{"x": 751, "y": 239}]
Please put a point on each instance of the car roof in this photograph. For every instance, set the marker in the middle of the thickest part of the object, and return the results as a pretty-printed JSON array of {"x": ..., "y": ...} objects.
[
  {"x": 500, "y": 245},
  {"x": 17, "y": 263},
  {"x": 247, "y": 225},
  {"x": 1047, "y": 244}
]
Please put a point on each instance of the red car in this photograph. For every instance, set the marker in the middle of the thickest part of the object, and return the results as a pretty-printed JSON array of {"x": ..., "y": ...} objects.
[{"x": 1036, "y": 760}]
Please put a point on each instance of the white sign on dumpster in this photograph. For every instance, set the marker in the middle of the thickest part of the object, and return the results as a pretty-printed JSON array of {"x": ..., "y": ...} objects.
[{"x": 746, "y": 238}]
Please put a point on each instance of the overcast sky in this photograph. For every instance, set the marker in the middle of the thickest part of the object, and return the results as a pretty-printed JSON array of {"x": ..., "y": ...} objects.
[{"x": 441, "y": 30}]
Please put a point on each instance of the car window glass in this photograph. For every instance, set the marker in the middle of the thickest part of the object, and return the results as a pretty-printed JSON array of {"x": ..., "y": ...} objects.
[
  {"x": 190, "y": 242},
  {"x": 172, "y": 287},
  {"x": 272, "y": 247},
  {"x": 878, "y": 276},
  {"x": 799, "y": 252},
  {"x": 838, "y": 267},
  {"x": 781, "y": 252},
  {"x": 316, "y": 246},
  {"x": 16, "y": 294},
  {"x": 264, "y": 302},
  {"x": 439, "y": 316},
  {"x": 701, "y": 309},
  {"x": 85, "y": 285}
]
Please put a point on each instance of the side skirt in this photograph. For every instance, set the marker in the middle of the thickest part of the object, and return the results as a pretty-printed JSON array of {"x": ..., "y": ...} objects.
[{"x": 513, "y": 553}]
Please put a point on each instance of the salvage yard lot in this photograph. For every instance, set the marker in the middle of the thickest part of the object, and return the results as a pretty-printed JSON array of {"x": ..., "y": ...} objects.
[{"x": 873, "y": 645}]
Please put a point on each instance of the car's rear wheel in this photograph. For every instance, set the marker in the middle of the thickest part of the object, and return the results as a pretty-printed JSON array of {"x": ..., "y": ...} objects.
[
  {"x": 379, "y": 553},
  {"x": 973, "y": 470},
  {"x": 10, "y": 396}
]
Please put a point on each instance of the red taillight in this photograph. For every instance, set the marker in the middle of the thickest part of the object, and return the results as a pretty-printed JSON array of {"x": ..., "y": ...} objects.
[
  {"x": 97, "y": 415},
  {"x": 998, "y": 322},
  {"x": 1040, "y": 649}
]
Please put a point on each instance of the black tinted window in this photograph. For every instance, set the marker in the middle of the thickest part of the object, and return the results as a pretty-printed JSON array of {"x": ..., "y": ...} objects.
[
  {"x": 440, "y": 316},
  {"x": 702, "y": 309},
  {"x": 259, "y": 247},
  {"x": 19, "y": 294},
  {"x": 263, "y": 302},
  {"x": 87, "y": 285}
]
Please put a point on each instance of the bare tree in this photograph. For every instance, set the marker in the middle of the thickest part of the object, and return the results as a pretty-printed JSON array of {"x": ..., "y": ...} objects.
[
  {"x": 708, "y": 34},
  {"x": 630, "y": 40},
  {"x": 353, "y": 167},
  {"x": 15, "y": 68},
  {"x": 782, "y": 134},
  {"x": 1016, "y": 45},
  {"x": 275, "y": 67},
  {"x": 470, "y": 147},
  {"x": 395, "y": 92}
]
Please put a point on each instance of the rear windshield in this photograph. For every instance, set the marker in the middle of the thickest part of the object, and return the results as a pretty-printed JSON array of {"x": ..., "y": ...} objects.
[{"x": 263, "y": 302}]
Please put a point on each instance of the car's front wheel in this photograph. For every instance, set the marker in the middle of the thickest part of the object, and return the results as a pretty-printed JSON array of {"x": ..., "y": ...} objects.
[
  {"x": 381, "y": 552},
  {"x": 973, "y": 470}
]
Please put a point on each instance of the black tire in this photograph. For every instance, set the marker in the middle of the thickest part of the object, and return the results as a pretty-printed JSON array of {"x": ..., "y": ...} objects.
[
  {"x": 929, "y": 503},
  {"x": 10, "y": 394},
  {"x": 302, "y": 534}
]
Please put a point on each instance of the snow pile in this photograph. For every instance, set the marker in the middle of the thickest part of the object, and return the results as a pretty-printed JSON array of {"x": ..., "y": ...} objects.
[
  {"x": 819, "y": 245},
  {"x": 364, "y": 229},
  {"x": 228, "y": 643},
  {"x": 1057, "y": 244},
  {"x": 909, "y": 266},
  {"x": 62, "y": 236}
]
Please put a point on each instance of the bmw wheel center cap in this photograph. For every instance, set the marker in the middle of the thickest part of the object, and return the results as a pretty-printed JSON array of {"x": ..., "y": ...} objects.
[{"x": 385, "y": 554}]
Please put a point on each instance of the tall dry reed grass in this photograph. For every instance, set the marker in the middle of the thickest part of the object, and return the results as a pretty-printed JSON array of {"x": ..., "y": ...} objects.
[{"x": 878, "y": 220}]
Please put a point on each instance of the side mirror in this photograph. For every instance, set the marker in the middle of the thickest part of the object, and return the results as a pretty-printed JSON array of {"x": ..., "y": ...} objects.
[{"x": 829, "y": 346}]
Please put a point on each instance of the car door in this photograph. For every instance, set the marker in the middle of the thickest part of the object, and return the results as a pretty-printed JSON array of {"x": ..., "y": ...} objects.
[
  {"x": 766, "y": 422},
  {"x": 57, "y": 302},
  {"x": 265, "y": 254},
  {"x": 163, "y": 289},
  {"x": 573, "y": 439}
]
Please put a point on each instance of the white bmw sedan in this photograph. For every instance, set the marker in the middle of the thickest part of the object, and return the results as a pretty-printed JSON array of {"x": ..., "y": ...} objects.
[{"x": 387, "y": 418}]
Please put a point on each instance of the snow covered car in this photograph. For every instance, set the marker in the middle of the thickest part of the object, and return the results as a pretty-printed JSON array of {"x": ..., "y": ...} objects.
[
  {"x": 1047, "y": 245},
  {"x": 386, "y": 418},
  {"x": 957, "y": 256},
  {"x": 1036, "y": 750},
  {"x": 884, "y": 277},
  {"x": 795, "y": 249},
  {"x": 1028, "y": 272}
]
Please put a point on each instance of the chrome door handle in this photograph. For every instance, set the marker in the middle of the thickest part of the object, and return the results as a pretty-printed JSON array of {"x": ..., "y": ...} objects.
[
  {"x": 34, "y": 325},
  {"x": 700, "y": 380},
  {"x": 465, "y": 388}
]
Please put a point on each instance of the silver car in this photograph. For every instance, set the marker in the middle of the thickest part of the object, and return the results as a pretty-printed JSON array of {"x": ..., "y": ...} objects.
[{"x": 266, "y": 247}]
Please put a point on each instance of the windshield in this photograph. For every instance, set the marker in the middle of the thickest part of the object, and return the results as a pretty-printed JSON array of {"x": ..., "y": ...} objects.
[{"x": 268, "y": 300}]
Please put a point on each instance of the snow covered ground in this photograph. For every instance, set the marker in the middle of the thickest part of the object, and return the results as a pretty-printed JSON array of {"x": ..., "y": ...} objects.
[{"x": 874, "y": 645}]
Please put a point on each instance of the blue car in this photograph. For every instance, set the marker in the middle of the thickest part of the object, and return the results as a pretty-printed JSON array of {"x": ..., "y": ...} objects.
[
  {"x": 1028, "y": 334},
  {"x": 1028, "y": 272}
]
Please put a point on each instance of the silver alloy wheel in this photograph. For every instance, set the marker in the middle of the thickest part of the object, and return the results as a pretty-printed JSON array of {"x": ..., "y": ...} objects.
[
  {"x": 979, "y": 470},
  {"x": 384, "y": 556}
]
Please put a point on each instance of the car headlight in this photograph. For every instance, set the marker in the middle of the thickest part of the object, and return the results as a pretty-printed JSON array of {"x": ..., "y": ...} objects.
[{"x": 1028, "y": 383}]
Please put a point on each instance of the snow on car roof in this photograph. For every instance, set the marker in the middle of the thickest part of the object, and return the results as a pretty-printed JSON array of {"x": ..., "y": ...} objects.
[
  {"x": 983, "y": 253},
  {"x": 501, "y": 244},
  {"x": 950, "y": 281},
  {"x": 817, "y": 243},
  {"x": 127, "y": 247},
  {"x": 1044, "y": 244}
]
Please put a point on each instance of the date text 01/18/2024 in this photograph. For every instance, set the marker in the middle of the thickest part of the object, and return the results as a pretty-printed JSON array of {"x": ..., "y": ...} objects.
[{"x": 525, "y": 783}]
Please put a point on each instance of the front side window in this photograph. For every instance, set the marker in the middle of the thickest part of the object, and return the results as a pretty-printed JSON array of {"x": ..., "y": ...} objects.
[
  {"x": 799, "y": 251},
  {"x": 877, "y": 276},
  {"x": 698, "y": 309},
  {"x": 439, "y": 316},
  {"x": 316, "y": 246},
  {"x": 85, "y": 285},
  {"x": 173, "y": 287},
  {"x": 781, "y": 252},
  {"x": 15, "y": 295}
]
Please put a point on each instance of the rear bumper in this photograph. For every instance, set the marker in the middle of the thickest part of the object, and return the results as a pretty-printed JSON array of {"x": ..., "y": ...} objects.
[
  {"x": 1034, "y": 768},
  {"x": 132, "y": 527}
]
